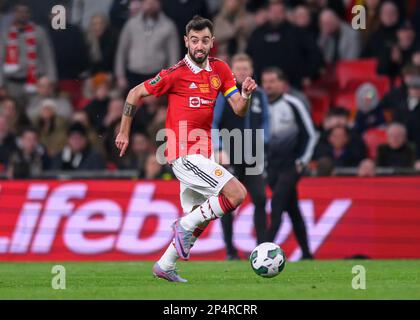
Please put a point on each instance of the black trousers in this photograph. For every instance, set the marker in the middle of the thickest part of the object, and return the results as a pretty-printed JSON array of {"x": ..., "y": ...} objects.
[
  {"x": 255, "y": 184},
  {"x": 285, "y": 198}
]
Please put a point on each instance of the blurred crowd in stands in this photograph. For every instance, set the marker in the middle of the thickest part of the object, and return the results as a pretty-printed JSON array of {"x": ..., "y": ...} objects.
[{"x": 62, "y": 91}]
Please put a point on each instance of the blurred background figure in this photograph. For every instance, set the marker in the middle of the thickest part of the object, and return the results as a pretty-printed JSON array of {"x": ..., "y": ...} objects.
[
  {"x": 337, "y": 39},
  {"x": 278, "y": 43},
  {"x": 290, "y": 148},
  {"x": 399, "y": 53},
  {"x": 397, "y": 152},
  {"x": 137, "y": 62},
  {"x": 101, "y": 42},
  {"x": 45, "y": 90},
  {"x": 29, "y": 159},
  {"x": 368, "y": 113},
  {"x": 257, "y": 118},
  {"x": 232, "y": 27},
  {"x": 26, "y": 54},
  {"x": 51, "y": 127},
  {"x": 82, "y": 11},
  {"x": 378, "y": 41},
  {"x": 7, "y": 142},
  {"x": 340, "y": 148},
  {"x": 78, "y": 153},
  {"x": 182, "y": 11}
]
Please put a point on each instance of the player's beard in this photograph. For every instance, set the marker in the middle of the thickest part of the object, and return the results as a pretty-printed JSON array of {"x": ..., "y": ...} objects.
[{"x": 198, "y": 61}]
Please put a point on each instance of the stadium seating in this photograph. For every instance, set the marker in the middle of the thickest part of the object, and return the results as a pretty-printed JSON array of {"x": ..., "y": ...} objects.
[
  {"x": 355, "y": 69},
  {"x": 320, "y": 103},
  {"x": 373, "y": 138}
]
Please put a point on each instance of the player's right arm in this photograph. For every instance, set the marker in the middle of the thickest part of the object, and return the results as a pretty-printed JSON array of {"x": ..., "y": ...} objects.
[{"x": 130, "y": 108}]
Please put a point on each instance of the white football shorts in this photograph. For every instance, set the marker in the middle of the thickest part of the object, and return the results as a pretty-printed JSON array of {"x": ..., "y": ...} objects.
[{"x": 200, "y": 178}]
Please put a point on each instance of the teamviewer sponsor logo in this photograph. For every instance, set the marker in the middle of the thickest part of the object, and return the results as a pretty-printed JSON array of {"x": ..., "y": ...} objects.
[{"x": 195, "y": 102}]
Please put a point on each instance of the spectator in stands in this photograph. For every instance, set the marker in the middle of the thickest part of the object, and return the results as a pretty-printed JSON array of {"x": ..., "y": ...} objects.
[
  {"x": 290, "y": 147},
  {"x": 78, "y": 154},
  {"x": 407, "y": 112},
  {"x": 385, "y": 35},
  {"x": 339, "y": 117},
  {"x": 121, "y": 11},
  {"x": 72, "y": 58},
  {"x": 7, "y": 142},
  {"x": 372, "y": 21},
  {"x": 51, "y": 127},
  {"x": 397, "y": 152},
  {"x": 139, "y": 151},
  {"x": 137, "y": 62},
  {"x": 415, "y": 57},
  {"x": 367, "y": 168},
  {"x": 399, "y": 95},
  {"x": 101, "y": 41},
  {"x": 368, "y": 114},
  {"x": 114, "y": 112},
  {"x": 232, "y": 27},
  {"x": 181, "y": 12},
  {"x": 154, "y": 170},
  {"x": 336, "y": 117},
  {"x": 278, "y": 43},
  {"x": 337, "y": 40},
  {"x": 97, "y": 108},
  {"x": 395, "y": 56},
  {"x": 260, "y": 16},
  {"x": 301, "y": 17},
  {"x": 82, "y": 117},
  {"x": 29, "y": 159},
  {"x": 16, "y": 119},
  {"x": 45, "y": 90},
  {"x": 83, "y": 10},
  {"x": 340, "y": 148},
  {"x": 25, "y": 55}
]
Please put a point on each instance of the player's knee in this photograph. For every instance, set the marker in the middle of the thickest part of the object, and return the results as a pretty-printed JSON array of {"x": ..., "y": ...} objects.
[{"x": 239, "y": 196}]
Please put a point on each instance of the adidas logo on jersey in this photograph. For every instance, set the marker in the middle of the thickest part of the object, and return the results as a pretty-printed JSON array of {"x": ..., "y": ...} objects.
[{"x": 193, "y": 85}]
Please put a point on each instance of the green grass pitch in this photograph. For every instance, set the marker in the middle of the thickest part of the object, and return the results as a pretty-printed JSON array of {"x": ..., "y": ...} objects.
[{"x": 212, "y": 280}]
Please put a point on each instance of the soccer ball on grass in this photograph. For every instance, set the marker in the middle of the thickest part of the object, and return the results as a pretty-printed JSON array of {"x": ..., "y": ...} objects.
[{"x": 267, "y": 260}]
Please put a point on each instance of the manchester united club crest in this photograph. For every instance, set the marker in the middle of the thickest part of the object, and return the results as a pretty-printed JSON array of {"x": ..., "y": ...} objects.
[
  {"x": 215, "y": 82},
  {"x": 218, "y": 172}
]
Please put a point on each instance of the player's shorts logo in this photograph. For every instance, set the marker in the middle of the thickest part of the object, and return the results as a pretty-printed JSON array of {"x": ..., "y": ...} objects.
[
  {"x": 218, "y": 172},
  {"x": 215, "y": 81},
  {"x": 195, "y": 102}
]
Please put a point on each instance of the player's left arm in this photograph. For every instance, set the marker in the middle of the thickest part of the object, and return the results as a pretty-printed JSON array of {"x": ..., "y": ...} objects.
[{"x": 240, "y": 101}]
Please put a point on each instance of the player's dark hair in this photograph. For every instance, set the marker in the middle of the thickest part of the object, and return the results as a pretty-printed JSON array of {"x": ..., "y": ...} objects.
[
  {"x": 277, "y": 71},
  {"x": 198, "y": 23}
]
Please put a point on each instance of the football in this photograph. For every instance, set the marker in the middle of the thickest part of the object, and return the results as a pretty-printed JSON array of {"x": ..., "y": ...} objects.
[{"x": 267, "y": 260}]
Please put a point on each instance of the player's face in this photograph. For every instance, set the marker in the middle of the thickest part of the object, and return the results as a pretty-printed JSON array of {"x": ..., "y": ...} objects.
[
  {"x": 199, "y": 44},
  {"x": 241, "y": 70}
]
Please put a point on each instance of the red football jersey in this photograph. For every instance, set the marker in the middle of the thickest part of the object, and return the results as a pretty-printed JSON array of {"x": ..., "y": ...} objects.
[{"x": 192, "y": 94}]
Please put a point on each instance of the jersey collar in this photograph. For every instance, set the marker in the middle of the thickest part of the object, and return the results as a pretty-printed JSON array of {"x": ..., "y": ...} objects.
[{"x": 193, "y": 67}]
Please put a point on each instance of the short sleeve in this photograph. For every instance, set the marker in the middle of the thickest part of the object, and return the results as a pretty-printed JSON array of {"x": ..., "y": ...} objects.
[
  {"x": 228, "y": 86},
  {"x": 160, "y": 84}
]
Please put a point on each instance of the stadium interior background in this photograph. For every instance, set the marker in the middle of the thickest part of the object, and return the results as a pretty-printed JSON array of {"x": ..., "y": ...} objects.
[{"x": 359, "y": 194}]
